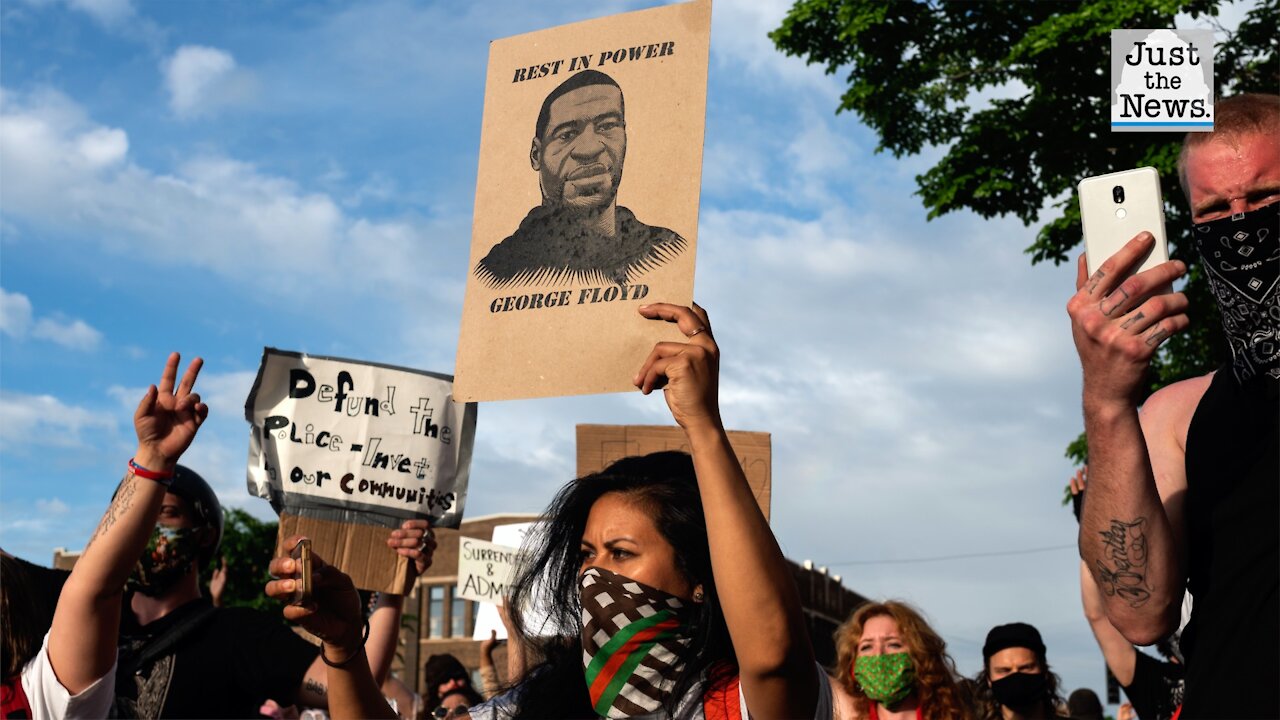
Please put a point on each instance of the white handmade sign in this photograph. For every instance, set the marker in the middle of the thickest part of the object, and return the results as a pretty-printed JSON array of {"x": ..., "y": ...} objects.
[
  {"x": 485, "y": 569},
  {"x": 335, "y": 438},
  {"x": 488, "y": 620}
]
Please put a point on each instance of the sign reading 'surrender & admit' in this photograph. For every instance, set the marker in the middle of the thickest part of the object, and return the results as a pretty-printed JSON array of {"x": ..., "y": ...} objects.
[
  {"x": 586, "y": 202},
  {"x": 346, "y": 450}
]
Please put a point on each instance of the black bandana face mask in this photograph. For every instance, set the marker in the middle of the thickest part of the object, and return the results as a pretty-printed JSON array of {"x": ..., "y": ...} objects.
[{"x": 1241, "y": 257}]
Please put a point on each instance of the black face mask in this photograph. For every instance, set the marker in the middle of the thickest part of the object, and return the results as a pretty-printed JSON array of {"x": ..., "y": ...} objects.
[
  {"x": 1020, "y": 690},
  {"x": 1241, "y": 257}
]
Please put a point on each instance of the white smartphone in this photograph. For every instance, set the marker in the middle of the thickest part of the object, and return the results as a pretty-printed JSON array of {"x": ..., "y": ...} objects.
[{"x": 1116, "y": 207}]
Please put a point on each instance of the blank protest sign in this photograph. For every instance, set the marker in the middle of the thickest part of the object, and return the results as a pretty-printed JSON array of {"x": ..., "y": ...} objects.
[{"x": 601, "y": 445}]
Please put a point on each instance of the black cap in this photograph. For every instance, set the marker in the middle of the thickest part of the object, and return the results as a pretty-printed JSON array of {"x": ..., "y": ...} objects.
[{"x": 1017, "y": 634}]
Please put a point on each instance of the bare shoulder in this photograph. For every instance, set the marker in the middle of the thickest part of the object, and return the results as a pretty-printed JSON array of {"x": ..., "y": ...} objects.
[
  {"x": 1167, "y": 413},
  {"x": 1165, "y": 418}
]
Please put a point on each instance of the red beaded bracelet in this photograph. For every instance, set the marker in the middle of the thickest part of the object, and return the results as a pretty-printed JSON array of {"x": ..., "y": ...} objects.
[{"x": 164, "y": 478}]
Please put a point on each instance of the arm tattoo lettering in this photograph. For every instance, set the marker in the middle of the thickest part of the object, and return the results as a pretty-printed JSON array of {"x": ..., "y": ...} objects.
[
  {"x": 315, "y": 687},
  {"x": 1093, "y": 281},
  {"x": 1125, "y": 545},
  {"x": 1119, "y": 296},
  {"x": 120, "y": 504},
  {"x": 1133, "y": 319},
  {"x": 1156, "y": 335}
]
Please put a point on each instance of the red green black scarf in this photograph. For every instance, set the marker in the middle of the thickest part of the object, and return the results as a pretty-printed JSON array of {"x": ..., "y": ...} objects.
[{"x": 633, "y": 641}]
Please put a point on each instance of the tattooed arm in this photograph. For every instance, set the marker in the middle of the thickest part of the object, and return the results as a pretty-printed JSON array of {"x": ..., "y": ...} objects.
[
  {"x": 86, "y": 623},
  {"x": 1131, "y": 525}
]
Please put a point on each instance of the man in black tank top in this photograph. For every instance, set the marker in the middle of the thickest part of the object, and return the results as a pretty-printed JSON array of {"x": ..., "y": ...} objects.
[{"x": 1185, "y": 497}]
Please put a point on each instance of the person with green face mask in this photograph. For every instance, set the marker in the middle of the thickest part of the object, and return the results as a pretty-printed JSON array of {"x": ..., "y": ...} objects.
[{"x": 893, "y": 666}]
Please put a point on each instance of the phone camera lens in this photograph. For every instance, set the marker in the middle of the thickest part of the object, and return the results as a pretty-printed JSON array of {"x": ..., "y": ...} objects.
[{"x": 1117, "y": 194}]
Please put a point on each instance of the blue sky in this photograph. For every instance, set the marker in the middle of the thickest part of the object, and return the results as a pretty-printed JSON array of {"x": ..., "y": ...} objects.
[{"x": 214, "y": 177}]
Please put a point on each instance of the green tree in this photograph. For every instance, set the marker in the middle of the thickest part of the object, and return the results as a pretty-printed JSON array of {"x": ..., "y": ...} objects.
[
  {"x": 248, "y": 544},
  {"x": 917, "y": 72}
]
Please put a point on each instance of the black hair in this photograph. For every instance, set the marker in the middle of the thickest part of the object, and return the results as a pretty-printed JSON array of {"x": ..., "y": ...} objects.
[
  {"x": 1170, "y": 648},
  {"x": 22, "y": 622},
  {"x": 664, "y": 485},
  {"x": 585, "y": 78},
  {"x": 1083, "y": 704},
  {"x": 437, "y": 670}
]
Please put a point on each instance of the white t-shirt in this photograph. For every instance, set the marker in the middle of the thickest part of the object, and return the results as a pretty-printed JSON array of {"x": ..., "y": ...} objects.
[{"x": 50, "y": 700}]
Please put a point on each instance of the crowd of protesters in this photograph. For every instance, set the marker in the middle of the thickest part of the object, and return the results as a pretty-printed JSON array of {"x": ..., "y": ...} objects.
[{"x": 669, "y": 590}]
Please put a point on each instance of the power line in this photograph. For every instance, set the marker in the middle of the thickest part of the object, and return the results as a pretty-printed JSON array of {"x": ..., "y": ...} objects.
[{"x": 963, "y": 556}]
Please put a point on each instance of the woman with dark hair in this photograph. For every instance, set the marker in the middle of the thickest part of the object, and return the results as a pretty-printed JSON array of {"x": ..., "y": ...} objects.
[
  {"x": 1016, "y": 682},
  {"x": 665, "y": 584},
  {"x": 895, "y": 667},
  {"x": 442, "y": 674},
  {"x": 71, "y": 672},
  {"x": 666, "y": 589}
]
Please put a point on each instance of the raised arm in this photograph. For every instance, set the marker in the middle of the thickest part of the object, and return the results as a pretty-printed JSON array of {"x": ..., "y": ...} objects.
[
  {"x": 757, "y": 593},
  {"x": 86, "y": 624},
  {"x": 1127, "y": 540},
  {"x": 1119, "y": 654},
  {"x": 333, "y": 615},
  {"x": 517, "y": 663},
  {"x": 414, "y": 540}
]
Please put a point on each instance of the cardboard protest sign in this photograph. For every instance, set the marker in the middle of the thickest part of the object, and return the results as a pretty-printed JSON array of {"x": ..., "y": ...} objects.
[
  {"x": 485, "y": 569},
  {"x": 565, "y": 245},
  {"x": 346, "y": 450},
  {"x": 601, "y": 445}
]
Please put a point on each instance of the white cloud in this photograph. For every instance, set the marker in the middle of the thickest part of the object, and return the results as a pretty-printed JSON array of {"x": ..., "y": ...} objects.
[
  {"x": 71, "y": 334},
  {"x": 53, "y": 506},
  {"x": 16, "y": 319},
  {"x": 103, "y": 146},
  {"x": 202, "y": 79},
  {"x": 250, "y": 227},
  {"x": 741, "y": 44},
  {"x": 28, "y": 421},
  {"x": 15, "y": 313},
  {"x": 107, "y": 12}
]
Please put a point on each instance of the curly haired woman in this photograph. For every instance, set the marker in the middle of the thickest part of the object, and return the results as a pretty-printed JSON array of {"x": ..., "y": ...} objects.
[{"x": 895, "y": 667}]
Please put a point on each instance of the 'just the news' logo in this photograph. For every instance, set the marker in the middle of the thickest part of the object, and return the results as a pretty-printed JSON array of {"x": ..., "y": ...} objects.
[{"x": 1162, "y": 80}]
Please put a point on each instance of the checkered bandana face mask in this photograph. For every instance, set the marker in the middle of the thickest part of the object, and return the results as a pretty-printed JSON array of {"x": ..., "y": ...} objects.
[
  {"x": 1241, "y": 256},
  {"x": 633, "y": 639}
]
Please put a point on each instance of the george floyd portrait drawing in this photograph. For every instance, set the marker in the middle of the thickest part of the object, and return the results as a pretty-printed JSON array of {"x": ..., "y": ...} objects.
[
  {"x": 565, "y": 245},
  {"x": 579, "y": 234}
]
